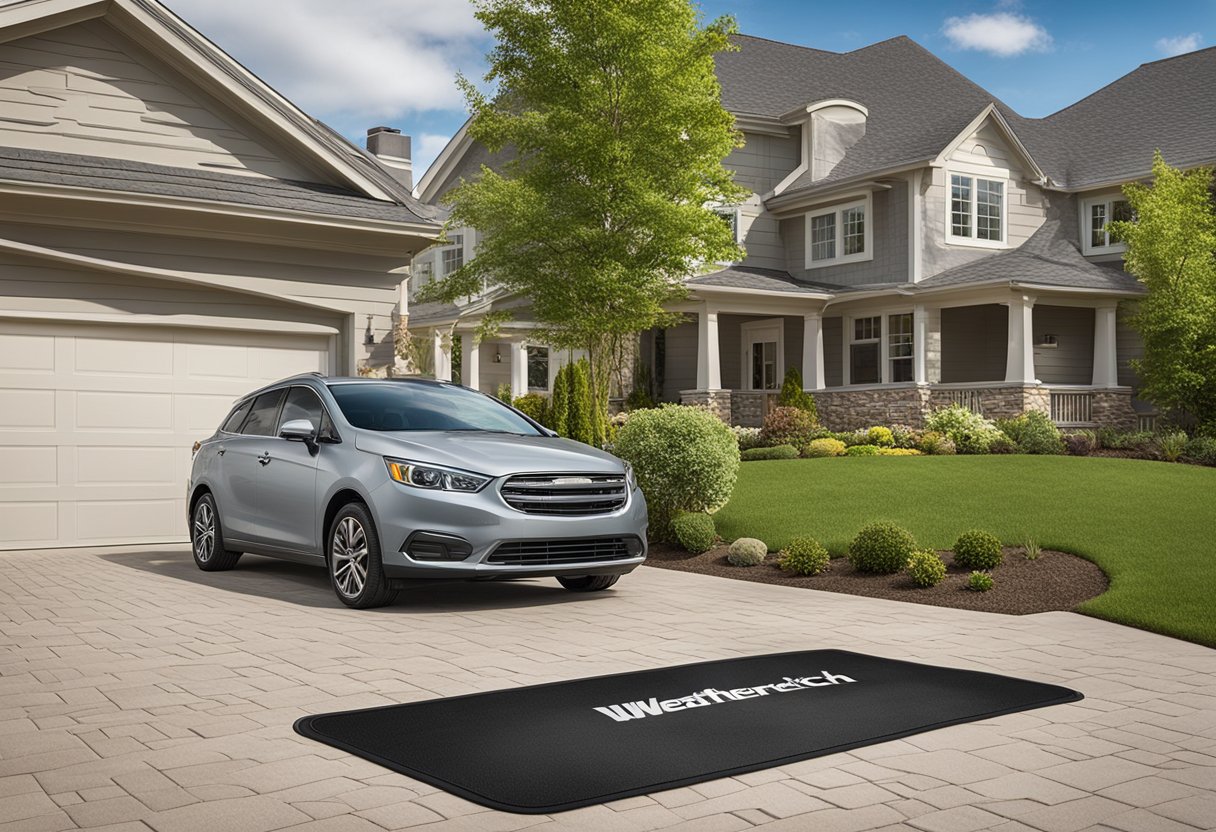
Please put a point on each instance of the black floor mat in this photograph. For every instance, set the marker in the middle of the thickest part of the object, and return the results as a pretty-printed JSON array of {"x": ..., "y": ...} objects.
[{"x": 559, "y": 746}]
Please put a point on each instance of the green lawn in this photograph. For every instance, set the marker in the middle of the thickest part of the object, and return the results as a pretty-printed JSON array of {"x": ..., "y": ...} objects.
[{"x": 1150, "y": 525}]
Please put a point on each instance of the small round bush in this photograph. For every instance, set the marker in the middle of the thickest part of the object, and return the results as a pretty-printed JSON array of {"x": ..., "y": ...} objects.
[
  {"x": 1002, "y": 444},
  {"x": 937, "y": 444},
  {"x": 970, "y": 432},
  {"x": 747, "y": 551},
  {"x": 980, "y": 581},
  {"x": 1081, "y": 443},
  {"x": 804, "y": 556},
  {"x": 926, "y": 568},
  {"x": 881, "y": 547},
  {"x": 775, "y": 452},
  {"x": 882, "y": 437},
  {"x": 978, "y": 549},
  {"x": 694, "y": 531},
  {"x": 824, "y": 447},
  {"x": 861, "y": 450},
  {"x": 685, "y": 459},
  {"x": 1033, "y": 432},
  {"x": 905, "y": 437},
  {"x": 787, "y": 426}
]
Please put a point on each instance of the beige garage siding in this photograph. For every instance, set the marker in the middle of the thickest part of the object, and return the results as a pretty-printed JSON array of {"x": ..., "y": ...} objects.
[{"x": 96, "y": 422}]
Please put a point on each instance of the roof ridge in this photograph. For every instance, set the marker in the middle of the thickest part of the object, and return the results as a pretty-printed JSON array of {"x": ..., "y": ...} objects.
[
  {"x": 1122, "y": 78},
  {"x": 992, "y": 98},
  {"x": 787, "y": 43},
  {"x": 1190, "y": 54}
]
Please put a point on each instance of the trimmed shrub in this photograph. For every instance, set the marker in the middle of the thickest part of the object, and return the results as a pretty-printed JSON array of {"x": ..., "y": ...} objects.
[
  {"x": 882, "y": 437},
  {"x": 503, "y": 393},
  {"x": 881, "y": 547},
  {"x": 854, "y": 437},
  {"x": 905, "y": 437},
  {"x": 1201, "y": 450},
  {"x": 1140, "y": 443},
  {"x": 1080, "y": 443},
  {"x": 694, "y": 531},
  {"x": 937, "y": 444},
  {"x": 804, "y": 556},
  {"x": 747, "y": 551},
  {"x": 980, "y": 581},
  {"x": 793, "y": 395},
  {"x": 1033, "y": 432},
  {"x": 747, "y": 437},
  {"x": 970, "y": 432},
  {"x": 559, "y": 403},
  {"x": 1002, "y": 444},
  {"x": 1172, "y": 445},
  {"x": 787, "y": 426},
  {"x": 533, "y": 405},
  {"x": 978, "y": 549},
  {"x": 926, "y": 568},
  {"x": 861, "y": 450},
  {"x": 823, "y": 447},
  {"x": 684, "y": 458},
  {"x": 898, "y": 452},
  {"x": 775, "y": 452}
]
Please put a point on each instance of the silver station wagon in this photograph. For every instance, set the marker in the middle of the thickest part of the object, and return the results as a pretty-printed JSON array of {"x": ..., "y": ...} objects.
[{"x": 386, "y": 482}]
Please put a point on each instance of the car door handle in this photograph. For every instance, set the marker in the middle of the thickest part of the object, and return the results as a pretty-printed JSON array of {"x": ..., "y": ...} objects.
[
  {"x": 264, "y": 459},
  {"x": 220, "y": 450}
]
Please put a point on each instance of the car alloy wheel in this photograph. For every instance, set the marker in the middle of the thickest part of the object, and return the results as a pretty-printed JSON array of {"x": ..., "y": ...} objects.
[
  {"x": 207, "y": 538},
  {"x": 204, "y": 531},
  {"x": 348, "y": 557}
]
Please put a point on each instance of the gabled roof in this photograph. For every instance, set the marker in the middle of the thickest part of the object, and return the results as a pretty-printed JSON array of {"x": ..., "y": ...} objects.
[
  {"x": 1049, "y": 258},
  {"x": 154, "y": 26}
]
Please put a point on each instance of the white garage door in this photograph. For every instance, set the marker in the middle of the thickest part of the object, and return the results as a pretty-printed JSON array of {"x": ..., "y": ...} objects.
[{"x": 96, "y": 422}]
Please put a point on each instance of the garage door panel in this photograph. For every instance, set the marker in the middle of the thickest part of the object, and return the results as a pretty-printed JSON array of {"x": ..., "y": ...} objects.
[
  {"x": 27, "y": 409},
  {"x": 27, "y": 353},
  {"x": 24, "y": 523},
  {"x": 96, "y": 422}
]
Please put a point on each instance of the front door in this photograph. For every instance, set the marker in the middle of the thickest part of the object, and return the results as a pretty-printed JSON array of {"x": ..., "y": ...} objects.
[{"x": 763, "y": 355}]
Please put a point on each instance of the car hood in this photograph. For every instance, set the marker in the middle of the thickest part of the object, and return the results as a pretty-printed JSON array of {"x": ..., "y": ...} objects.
[{"x": 493, "y": 454}]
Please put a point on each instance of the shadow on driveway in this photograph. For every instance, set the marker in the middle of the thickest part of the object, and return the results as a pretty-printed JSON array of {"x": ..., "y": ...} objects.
[{"x": 309, "y": 585}]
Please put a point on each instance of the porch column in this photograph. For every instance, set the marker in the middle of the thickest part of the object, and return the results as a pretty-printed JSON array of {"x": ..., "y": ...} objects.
[
  {"x": 709, "y": 369},
  {"x": 1019, "y": 357},
  {"x": 441, "y": 349},
  {"x": 519, "y": 369},
  {"x": 470, "y": 360},
  {"x": 920, "y": 344},
  {"x": 1106, "y": 355},
  {"x": 812, "y": 351}
]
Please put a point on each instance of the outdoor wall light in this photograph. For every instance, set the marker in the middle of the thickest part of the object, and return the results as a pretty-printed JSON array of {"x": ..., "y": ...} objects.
[
  {"x": 497, "y": 357},
  {"x": 369, "y": 337}
]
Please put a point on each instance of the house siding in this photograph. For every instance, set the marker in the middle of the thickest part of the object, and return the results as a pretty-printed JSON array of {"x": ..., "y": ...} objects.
[
  {"x": 764, "y": 160},
  {"x": 890, "y": 241},
  {"x": 833, "y": 351},
  {"x": 1072, "y": 361},
  {"x": 973, "y": 343},
  {"x": 680, "y": 361}
]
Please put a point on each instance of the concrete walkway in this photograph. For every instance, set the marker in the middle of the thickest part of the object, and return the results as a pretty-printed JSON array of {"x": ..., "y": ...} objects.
[{"x": 137, "y": 693}]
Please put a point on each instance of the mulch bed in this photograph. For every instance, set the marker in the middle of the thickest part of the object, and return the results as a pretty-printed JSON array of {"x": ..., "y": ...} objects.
[{"x": 1055, "y": 581}]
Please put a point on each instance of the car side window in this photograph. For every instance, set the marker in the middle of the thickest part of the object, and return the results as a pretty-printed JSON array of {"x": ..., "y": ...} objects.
[
  {"x": 233, "y": 423},
  {"x": 264, "y": 414},
  {"x": 302, "y": 403}
]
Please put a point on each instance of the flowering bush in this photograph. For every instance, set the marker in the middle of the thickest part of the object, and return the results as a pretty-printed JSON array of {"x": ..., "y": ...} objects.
[
  {"x": 684, "y": 458},
  {"x": 970, "y": 432},
  {"x": 932, "y": 442},
  {"x": 1033, "y": 433},
  {"x": 905, "y": 437},
  {"x": 898, "y": 452},
  {"x": 747, "y": 437},
  {"x": 787, "y": 426}
]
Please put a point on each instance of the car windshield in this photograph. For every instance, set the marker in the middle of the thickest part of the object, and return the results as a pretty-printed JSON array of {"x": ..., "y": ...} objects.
[{"x": 420, "y": 406}]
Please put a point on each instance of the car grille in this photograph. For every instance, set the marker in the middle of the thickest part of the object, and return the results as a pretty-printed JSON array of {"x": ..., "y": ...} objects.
[
  {"x": 553, "y": 552},
  {"x": 565, "y": 494}
]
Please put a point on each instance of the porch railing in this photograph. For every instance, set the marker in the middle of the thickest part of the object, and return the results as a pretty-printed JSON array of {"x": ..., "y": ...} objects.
[
  {"x": 967, "y": 397},
  {"x": 1072, "y": 407}
]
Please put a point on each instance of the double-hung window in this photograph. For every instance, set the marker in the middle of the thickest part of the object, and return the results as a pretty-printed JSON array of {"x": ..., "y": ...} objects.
[
  {"x": 976, "y": 210},
  {"x": 840, "y": 234},
  {"x": 1098, "y": 214},
  {"x": 899, "y": 346},
  {"x": 452, "y": 254},
  {"x": 538, "y": 368}
]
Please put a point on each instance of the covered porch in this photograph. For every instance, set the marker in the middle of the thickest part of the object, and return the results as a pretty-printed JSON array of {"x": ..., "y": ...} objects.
[{"x": 895, "y": 357}]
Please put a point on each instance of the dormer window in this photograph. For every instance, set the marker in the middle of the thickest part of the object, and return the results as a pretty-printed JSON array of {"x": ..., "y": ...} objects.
[
  {"x": 1098, "y": 214},
  {"x": 840, "y": 234},
  {"x": 976, "y": 210}
]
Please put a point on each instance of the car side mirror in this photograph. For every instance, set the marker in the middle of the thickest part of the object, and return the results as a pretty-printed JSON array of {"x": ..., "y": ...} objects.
[{"x": 298, "y": 429}]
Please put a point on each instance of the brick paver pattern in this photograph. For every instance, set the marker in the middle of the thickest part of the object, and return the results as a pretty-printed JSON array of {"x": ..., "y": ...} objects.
[{"x": 137, "y": 693}]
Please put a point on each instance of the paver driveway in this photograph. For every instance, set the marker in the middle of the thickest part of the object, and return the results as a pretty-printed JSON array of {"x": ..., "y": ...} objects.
[{"x": 137, "y": 692}]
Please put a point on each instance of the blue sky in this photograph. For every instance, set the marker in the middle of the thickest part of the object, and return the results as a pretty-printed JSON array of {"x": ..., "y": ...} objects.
[{"x": 394, "y": 62}]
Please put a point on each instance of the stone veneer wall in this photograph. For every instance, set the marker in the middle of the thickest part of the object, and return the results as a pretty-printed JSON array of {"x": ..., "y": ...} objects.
[
  {"x": 1002, "y": 402},
  {"x": 747, "y": 408},
  {"x": 853, "y": 409},
  {"x": 717, "y": 401},
  {"x": 1113, "y": 409}
]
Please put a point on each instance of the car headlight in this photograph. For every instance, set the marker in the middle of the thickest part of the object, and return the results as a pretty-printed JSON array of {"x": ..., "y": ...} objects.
[
  {"x": 630, "y": 479},
  {"x": 434, "y": 477}
]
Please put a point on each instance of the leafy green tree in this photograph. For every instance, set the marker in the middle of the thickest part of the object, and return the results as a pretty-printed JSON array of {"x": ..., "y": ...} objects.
[
  {"x": 613, "y": 115},
  {"x": 793, "y": 395},
  {"x": 579, "y": 419},
  {"x": 559, "y": 402},
  {"x": 1171, "y": 249}
]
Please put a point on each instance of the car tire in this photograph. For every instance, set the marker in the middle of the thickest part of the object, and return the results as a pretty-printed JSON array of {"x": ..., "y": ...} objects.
[
  {"x": 207, "y": 538},
  {"x": 355, "y": 568},
  {"x": 588, "y": 583}
]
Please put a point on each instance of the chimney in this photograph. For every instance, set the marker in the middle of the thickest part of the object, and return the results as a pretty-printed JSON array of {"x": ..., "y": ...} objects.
[{"x": 393, "y": 150}]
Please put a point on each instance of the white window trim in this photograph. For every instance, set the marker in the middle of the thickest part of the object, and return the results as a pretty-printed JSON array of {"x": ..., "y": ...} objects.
[
  {"x": 866, "y": 203},
  {"x": 996, "y": 175},
  {"x": 887, "y": 358},
  {"x": 1086, "y": 205},
  {"x": 884, "y": 346},
  {"x": 736, "y": 212},
  {"x": 745, "y": 371}
]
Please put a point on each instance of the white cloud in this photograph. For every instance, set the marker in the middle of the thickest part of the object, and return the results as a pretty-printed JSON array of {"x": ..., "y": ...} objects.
[
  {"x": 1003, "y": 34},
  {"x": 375, "y": 60},
  {"x": 1180, "y": 44},
  {"x": 425, "y": 148}
]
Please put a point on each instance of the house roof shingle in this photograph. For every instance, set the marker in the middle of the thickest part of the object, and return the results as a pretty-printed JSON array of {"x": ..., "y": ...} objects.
[
  {"x": 770, "y": 280},
  {"x": 44, "y": 167}
]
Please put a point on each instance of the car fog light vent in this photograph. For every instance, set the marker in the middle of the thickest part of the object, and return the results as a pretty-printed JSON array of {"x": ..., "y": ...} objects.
[{"x": 435, "y": 546}]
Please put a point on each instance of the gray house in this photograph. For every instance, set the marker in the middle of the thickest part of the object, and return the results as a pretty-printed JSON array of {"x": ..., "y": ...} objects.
[{"x": 910, "y": 242}]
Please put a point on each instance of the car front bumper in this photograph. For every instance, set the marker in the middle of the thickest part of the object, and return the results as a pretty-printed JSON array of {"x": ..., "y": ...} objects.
[{"x": 483, "y": 521}]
